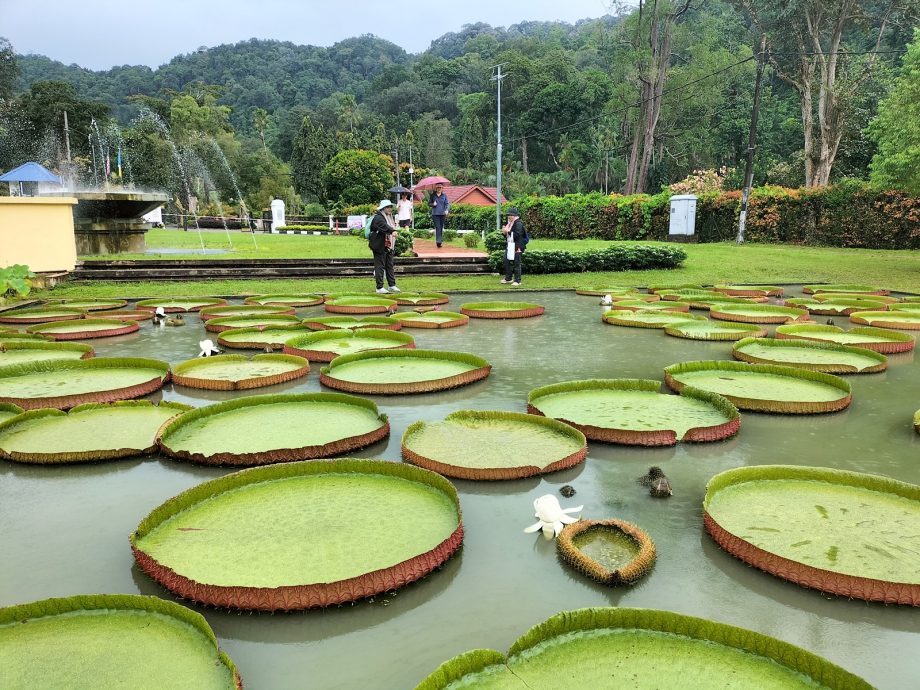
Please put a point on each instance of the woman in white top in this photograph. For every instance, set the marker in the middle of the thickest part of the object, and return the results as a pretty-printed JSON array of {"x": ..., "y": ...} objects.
[{"x": 404, "y": 211}]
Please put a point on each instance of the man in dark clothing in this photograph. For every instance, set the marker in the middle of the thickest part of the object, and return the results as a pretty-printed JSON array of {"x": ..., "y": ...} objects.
[
  {"x": 382, "y": 241},
  {"x": 515, "y": 235},
  {"x": 440, "y": 207}
]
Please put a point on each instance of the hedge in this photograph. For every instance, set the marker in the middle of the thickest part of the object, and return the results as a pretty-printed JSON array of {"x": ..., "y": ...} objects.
[{"x": 617, "y": 258}]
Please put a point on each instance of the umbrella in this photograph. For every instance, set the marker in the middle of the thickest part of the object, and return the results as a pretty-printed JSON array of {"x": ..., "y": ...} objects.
[
  {"x": 431, "y": 181},
  {"x": 399, "y": 189}
]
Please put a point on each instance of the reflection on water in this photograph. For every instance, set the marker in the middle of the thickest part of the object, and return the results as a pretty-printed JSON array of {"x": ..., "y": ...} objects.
[{"x": 65, "y": 529}]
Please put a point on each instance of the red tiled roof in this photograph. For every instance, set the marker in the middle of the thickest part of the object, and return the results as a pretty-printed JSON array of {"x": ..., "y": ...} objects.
[{"x": 457, "y": 193}]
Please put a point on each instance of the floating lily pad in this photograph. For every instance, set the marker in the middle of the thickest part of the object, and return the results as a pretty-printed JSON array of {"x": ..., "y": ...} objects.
[
  {"x": 180, "y": 304},
  {"x": 421, "y": 298},
  {"x": 837, "y": 307},
  {"x": 40, "y": 315},
  {"x": 124, "y": 314},
  {"x": 647, "y": 319},
  {"x": 431, "y": 319},
  {"x": 837, "y": 296},
  {"x": 111, "y": 641},
  {"x": 238, "y": 372},
  {"x": 325, "y": 323},
  {"x": 263, "y": 429},
  {"x": 641, "y": 649},
  {"x": 636, "y": 412},
  {"x": 764, "y": 387},
  {"x": 901, "y": 320},
  {"x": 612, "y": 552},
  {"x": 757, "y": 313},
  {"x": 88, "y": 433},
  {"x": 877, "y": 339},
  {"x": 905, "y": 306},
  {"x": 360, "y": 305},
  {"x": 90, "y": 304},
  {"x": 706, "y": 303},
  {"x": 750, "y": 290},
  {"x": 84, "y": 329},
  {"x": 324, "y": 346},
  {"x": 714, "y": 330},
  {"x": 231, "y": 310},
  {"x": 501, "y": 310},
  {"x": 687, "y": 294},
  {"x": 639, "y": 305},
  {"x": 600, "y": 291},
  {"x": 480, "y": 445},
  {"x": 24, "y": 351},
  {"x": 831, "y": 358},
  {"x": 227, "y": 323},
  {"x": 253, "y": 539},
  {"x": 391, "y": 372},
  {"x": 8, "y": 411},
  {"x": 286, "y": 300},
  {"x": 853, "y": 534},
  {"x": 842, "y": 287},
  {"x": 68, "y": 383},
  {"x": 15, "y": 336},
  {"x": 676, "y": 286},
  {"x": 270, "y": 338}
]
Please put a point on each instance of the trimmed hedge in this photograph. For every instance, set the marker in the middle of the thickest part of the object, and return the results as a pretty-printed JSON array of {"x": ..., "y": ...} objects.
[
  {"x": 618, "y": 258},
  {"x": 306, "y": 228}
]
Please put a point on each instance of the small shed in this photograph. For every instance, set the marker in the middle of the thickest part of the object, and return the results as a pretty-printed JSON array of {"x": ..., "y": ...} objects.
[{"x": 31, "y": 179}]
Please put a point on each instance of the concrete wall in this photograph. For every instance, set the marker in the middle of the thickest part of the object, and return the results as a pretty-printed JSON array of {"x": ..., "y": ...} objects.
[{"x": 38, "y": 232}]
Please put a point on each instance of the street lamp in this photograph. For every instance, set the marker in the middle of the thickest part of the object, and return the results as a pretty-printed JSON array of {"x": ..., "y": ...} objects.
[{"x": 412, "y": 186}]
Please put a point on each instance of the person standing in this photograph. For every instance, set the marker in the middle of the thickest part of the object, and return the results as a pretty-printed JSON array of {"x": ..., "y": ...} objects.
[
  {"x": 382, "y": 240},
  {"x": 440, "y": 207},
  {"x": 516, "y": 238},
  {"x": 404, "y": 210}
]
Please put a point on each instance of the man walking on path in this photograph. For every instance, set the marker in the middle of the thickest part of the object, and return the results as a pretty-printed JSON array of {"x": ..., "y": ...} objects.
[
  {"x": 382, "y": 241},
  {"x": 516, "y": 238},
  {"x": 440, "y": 207}
]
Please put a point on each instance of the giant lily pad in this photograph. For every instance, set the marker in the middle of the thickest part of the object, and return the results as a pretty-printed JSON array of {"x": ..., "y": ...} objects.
[
  {"x": 324, "y": 346},
  {"x": 635, "y": 412},
  {"x": 750, "y": 290},
  {"x": 231, "y": 310},
  {"x": 301, "y": 535},
  {"x": 227, "y": 323},
  {"x": 764, "y": 387},
  {"x": 360, "y": 305},
  {"x": 647, "y": 319},
  {"x": 431, "y": 319},
  {"x": 706, "y": 302},
  {"x": 269, "y": 338},
  {"x": 40, "y": 315},
  {"x": 612, "y": 552},
  {"x": 286, "y": 300},
  {"x": 837, "y": 307},
  {"x": 173, "y": 305},
  {"x": 110, "y": 641},
  {"x": 87, "y": 433},
  {"x": 124, "y": 314},
  {"x": 877, "y": 339},
  {"x": 901, "y": 320},
  {"x": 84, "y": 329},
  {"x": 238, "y": 372},
  {"x": 853, "y": 534},
  {"x": 328, "y": 323},
  {"x": 832, "y": 358},
  {"x": 714, "y": 330},
  {"x": 90, "y": 304},
  {"x": 68, "y": 383},
  {"x": 473, "y": 444},
  {"x": 687, "y": 293},
  {"x": 639, "y": 305},
  {"x": 904, "y": 306},
  {"x": 421, "y": 298},
  {"x": 839, "y": 296},
  {"x": 757, "y": 313},
  {"x": 8, "y": 411},
  {"x": 842, "y": 287},
  {"x": 24, "y": 351},
  {"x": 501, "y": 310},
  {"x": 263, "y": 429},
  {"x": 601, "y": 291},
  {"x": 391, "y": 372},
  {"x": 641, "y": 649}
]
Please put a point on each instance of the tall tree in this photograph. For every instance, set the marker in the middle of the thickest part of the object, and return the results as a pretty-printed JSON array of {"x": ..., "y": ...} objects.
[
  {"x": 9, "y": 70},
  {"x": 260, "y": 121},
  {"x": 313, "y": 147}
]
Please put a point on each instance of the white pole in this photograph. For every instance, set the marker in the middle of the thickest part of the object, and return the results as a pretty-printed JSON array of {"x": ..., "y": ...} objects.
[{"x": 498, "y": 151}]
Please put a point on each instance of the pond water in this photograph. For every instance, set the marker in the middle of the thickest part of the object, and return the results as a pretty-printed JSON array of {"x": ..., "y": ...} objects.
[{"x": 65, "y": 529}]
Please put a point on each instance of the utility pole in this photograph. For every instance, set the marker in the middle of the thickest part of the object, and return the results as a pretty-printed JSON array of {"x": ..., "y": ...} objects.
[
  {"x": 68, "y": 176},
  {"x": 606, "y": 170},
  {"x": 396, "y": 151},
  {"x": 752, "y": 143},
  {"x": 412, "y": 185},
  {"x": 497, "y": 77}
]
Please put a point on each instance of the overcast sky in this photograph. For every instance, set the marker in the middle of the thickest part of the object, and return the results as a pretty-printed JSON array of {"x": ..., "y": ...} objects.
[{"x": 101, "y": 33}]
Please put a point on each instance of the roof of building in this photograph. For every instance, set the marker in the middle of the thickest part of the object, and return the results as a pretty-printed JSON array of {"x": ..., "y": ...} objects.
[
  {"x": 457, "y": 193},
  {"x": 30, "y": 172}
]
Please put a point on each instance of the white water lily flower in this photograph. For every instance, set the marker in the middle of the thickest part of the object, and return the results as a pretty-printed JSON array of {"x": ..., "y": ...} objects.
[
  {"x": 607, "y": 300},
  {"x": 207, "y": 348},
  {"x": 160, "y": 311},
  {"x": 551, "y": 516}
]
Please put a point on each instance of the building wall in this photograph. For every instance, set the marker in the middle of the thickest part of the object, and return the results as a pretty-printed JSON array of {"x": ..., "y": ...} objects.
[{"x": 38, "y": 232}]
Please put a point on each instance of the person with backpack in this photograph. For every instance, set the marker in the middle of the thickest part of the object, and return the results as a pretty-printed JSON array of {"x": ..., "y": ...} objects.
[
  {"x": 381, "y": 239},
  {"x": 517, "y": 239}
]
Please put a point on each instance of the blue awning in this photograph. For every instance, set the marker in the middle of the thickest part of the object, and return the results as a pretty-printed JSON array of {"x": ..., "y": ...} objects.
[{"x": 30, "y": 172}]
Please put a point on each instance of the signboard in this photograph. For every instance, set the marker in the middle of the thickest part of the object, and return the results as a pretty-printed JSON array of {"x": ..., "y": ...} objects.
[{"x": 356, "y": 222}]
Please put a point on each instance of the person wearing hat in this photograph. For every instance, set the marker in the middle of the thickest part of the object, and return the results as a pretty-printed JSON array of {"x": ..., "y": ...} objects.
[
  {"x": 516, "y": 241},
  {"x": 382, "y": 242},
  {"x": 440, "y": 207}
]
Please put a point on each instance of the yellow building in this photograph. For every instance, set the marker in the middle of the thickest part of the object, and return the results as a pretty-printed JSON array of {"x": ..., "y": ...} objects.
[{"x": 38, "y": 232}]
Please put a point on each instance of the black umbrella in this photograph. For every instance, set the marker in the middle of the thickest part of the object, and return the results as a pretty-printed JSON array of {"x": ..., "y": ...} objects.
[{"x": 399, "y": 189}]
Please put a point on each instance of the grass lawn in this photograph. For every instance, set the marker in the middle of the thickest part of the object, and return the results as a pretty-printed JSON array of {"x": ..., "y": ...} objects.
[{"x": 705, "y": 264}]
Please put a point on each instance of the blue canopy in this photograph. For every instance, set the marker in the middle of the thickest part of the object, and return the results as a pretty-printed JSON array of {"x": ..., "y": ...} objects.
[{"x": 30, "y": 172}]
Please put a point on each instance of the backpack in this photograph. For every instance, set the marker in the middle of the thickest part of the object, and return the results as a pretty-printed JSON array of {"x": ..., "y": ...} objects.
[
  {"x": 526, "y": 238},
  {"x": 367, "y": 227}
]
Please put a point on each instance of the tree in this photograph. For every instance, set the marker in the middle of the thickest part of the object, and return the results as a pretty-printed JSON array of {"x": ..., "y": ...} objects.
[
  {"x": 313, "y": 147},
  {"x": 896, "y": 129},
  {"x": 357, "y": 176},
  {"x": 9, "y": 70},
  {"x": 260, "y": 121}
]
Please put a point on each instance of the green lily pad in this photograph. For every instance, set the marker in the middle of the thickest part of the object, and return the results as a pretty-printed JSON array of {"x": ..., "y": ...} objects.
[
  {"x": 25, "y": 351},
  {"x": 642, "y": 649},
  {"x": 40, "y": 315},
  {"x": 902, "y": 320},
  {"x": 647, "y": 319},
  {"x": 238, "y": 372},
  {"x": 612, "y": 552},
  {"x": 420, "y": 298},
  {"x": 601, "y": 291},
  {"x": 706, "y": 303},
  {"x": 859, "y": 297},
  {"x": 263, "y": 429},
  {"x": 324, "y": 323},
  {"x": 360, "y": 305},
  {"x": 270, "y": 338},
  {"x": 91, "y": 304},
  {"x": 67, "y": 383},
  {"x": 877, "y": 339},
  {"x": 904, "y": 306},
  {"x": 84, "y": 329},
  {"x": 501, "y": 310},
  {"x": 495, "y": 445},
  {"x": 750, "y": 290},
  {"x": 842, "y": 532},
  {"x": 757, "y": 313},
  {"x": 843, "y": 287},
  {"x": 8, "y": 411},
  {"x": 635, "y": 412},
  {"x": 87, "y": 433},
  {"x": 832, "y": 358},
  {"x": 111, "y": 641},
  {"x": 252, "y": 539},
  {"x": 226, "y": 323},
  {"x": 180, "y": 304},
  {"x": 764, "y": 387},
  {"x": 124, "y": 314},
  {"x": 431, "y": 319},
  {"x": 663, "y": 305},
  {"x": 231, "y": 310},
  {"x": 324, "y": 346},
  {"x": 285, "y": 300},
  {"x": 714, "y": 330},
  {"x": 837, "y": 307},
  {"x": 392, "y": 372}
]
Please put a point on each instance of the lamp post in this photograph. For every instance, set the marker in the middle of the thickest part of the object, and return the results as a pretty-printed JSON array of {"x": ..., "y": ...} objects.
[{"x": 412, "y": 187}]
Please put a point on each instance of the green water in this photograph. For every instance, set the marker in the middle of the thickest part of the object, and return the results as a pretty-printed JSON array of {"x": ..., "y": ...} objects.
[
  {"x": 266, "y": 427},
  {"x": 255, "y": 321},
  {"x": 260, "y": 535},
  {"x": 760, "y": 386},
  {"x": 239, "y": 370},
  {"x": 840, "y": 528},
  {"x": 109, "y": 649},
  {"x": 74, "y": 382},
  {"x": 805, "y": 355},
  {"x": 269, "y": 336},
  {"x": 609, "y": 547},
  {"x": 632, "y": 410},
  {"x": 10, "y": 357},
  {"x": 398, "y": 370},
  {"x": 491, "y": 443}
]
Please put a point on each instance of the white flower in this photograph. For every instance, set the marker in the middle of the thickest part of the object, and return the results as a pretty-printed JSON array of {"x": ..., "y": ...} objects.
[
  {"x": 207, "y": 348},
  {"x": 551, "y": 516}
]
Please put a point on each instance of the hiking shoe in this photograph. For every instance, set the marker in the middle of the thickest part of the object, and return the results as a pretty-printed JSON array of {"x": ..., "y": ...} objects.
[
  {"x": 515, "y": 285},
  {"x": 382, "y": 291},
  {"x": 393, "y": 288},
  {"x": 504, "y": 282},
  {"x": 439, "y": 245}
]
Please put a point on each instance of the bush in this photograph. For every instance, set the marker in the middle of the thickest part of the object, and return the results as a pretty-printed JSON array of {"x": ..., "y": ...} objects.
[
  {"x": 403, "y": 242},
  {"x": 15, "y": 281},
  {"x": 305, "y": 228},
  {"x": 421, "y": 234},
  {"x": 357, "y": 232},
  {"x": 471, "y": 240},
  {"x": 617, "y": 258},
  {"x": 450, "y": 235},
  {"x": 495, "y": 242}
]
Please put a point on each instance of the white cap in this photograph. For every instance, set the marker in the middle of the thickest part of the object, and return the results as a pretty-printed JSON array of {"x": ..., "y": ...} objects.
[{"x": 383, "y": 204}]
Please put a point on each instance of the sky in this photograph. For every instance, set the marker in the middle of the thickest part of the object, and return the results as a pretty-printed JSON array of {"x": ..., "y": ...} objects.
[{"x": 98, "y": 34}]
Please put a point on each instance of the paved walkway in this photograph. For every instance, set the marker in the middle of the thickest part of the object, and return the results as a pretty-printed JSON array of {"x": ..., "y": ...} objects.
[{"x": 428, "y": 249}]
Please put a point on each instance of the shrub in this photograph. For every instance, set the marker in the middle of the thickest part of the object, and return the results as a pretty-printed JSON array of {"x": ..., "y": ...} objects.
[
  {"x": 305, "y": 228},
  {"x": 495, "y": 242},
  {"x": 450, "y": 235},
  {"x": 403, "y": 242},
  {"x": 471, "y": 240},
  {"x": 421, "y": 234},
  {"x": 15, "y": 281},
  {"x": 617, "y": 258}
]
